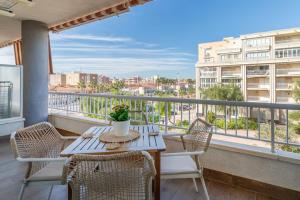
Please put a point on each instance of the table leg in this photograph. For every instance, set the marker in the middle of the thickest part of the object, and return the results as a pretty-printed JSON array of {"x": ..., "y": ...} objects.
[
  {"x": 69, "y": 192},
  {"x": 157, "y": 177}
]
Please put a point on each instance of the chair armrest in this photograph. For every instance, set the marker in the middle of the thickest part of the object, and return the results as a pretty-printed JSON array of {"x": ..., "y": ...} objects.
[
  {"x": 180, "y": 135},
  {"x": 183, "y": 153},
  {"x": 41, "y": 159},
  {"x": 172, "y": 134},
  {"x": 69, "y": 137}
]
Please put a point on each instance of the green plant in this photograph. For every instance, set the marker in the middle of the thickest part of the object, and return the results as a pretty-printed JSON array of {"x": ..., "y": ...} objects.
[
  {"x": 211, "y": 117},
  {"x": 220, "y": 123},
  {"x": 240, "y": 123},
  {"x": 231, "y": 124},
  {"x": 252, "y": 125},
  {"x": 297, "y": 129},
  {"x": 120, "y": 113},
  {"x": 290, "y": 148},
  {"x": 184, "y": 123}
]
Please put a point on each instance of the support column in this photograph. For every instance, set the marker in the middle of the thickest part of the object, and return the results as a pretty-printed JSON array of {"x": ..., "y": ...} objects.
[
  {"x": 272, "y": 77},
  {"x": 35, "y": 62},
  {"x": 244, "y": 81}
]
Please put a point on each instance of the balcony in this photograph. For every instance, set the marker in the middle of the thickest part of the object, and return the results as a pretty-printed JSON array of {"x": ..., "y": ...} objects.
[
  {"x": 209, "y": 60},
  {"x": 257, "y": 48},
  {"x": 252, "y": 154},
  {"x": 288, "y": 72},
  {"x": 231, "y": 73},
  {"x": 258, "y": 86},
  {"x": 208, "y": 74},
  {"x": 263, "y": 99},
  {"x": 282, "y": 44},
  {"x": 287, "y": 99},
  {"x": 284, "y": 86},
  {"x": 74, "y": 113},
  {"x": 257, "y": 72}
]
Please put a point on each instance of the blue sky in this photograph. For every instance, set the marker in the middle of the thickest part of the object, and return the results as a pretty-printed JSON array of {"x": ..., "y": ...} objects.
[{"x": 161, "y": 37}]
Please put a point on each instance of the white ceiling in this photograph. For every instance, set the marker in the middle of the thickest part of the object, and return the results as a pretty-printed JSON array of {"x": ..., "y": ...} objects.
[{"x": 51, "y": 12}]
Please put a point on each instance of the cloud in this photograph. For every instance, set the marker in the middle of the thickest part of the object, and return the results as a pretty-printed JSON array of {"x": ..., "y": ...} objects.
[
  {"x": 121, "y": 56},
  {"x": 121, "y": 66},
  {"x": 89, "y": 38},
  {"x": 112, "y": 48}
]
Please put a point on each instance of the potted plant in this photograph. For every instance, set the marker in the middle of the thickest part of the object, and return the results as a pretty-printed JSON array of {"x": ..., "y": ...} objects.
[{"x": 120, "y": 120}]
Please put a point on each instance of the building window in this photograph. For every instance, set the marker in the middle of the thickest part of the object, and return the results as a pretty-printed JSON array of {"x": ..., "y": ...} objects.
[
  {"x": 287, "y": 53},
  {"x": 229, "y": 57},
  {"x": 258, "y": 42},
  {"x": 257, "y": 55},
  {"x": 207, "y": 52}
]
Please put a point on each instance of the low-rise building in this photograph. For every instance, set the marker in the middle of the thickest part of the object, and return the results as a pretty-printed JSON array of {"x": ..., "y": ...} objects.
[
  {"x": 57, "y": 80},
  {"x": 74, "y": 78},
  {"x": 135, "y": 80}
]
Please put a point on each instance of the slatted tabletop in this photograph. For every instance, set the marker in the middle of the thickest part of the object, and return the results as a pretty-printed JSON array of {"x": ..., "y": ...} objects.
[{"x": 93, "y": 145}]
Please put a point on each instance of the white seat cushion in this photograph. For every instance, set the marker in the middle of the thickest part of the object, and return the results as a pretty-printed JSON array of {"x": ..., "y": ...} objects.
[
  {"x": 177, "y": 164},
  {"x": 52, "y": 171}
]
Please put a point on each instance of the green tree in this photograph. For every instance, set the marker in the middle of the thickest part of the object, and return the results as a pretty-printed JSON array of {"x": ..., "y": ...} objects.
[
  {"x": 81, "y": 85},
  {"x": 182, "y": 92},
  {"x": 225, "y": 92},
  {"x": 296, "y": 91},
  {"x": 116, "y": 87},
  {"x": 93, "y": 86},
  {"x": 230, "y": 92}
]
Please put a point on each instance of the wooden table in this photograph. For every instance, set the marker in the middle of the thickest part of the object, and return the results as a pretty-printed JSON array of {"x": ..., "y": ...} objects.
[{"x": 153, "y": 144}]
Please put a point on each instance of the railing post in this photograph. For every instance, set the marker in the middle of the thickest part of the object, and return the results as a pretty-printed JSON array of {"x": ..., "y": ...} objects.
[
  {"x": 105, "y": 108},
  {"x": 166, "y": 117},
  {"x": 272, "y": 131},
  {"x": 67, "y": 102}
]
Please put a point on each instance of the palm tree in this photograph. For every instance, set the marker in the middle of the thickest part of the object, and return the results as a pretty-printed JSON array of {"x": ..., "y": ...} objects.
[
  {"x": 81, "y": 85},
  {"x": 182, "y": 92},
  {"x": 92, "y": 85}
]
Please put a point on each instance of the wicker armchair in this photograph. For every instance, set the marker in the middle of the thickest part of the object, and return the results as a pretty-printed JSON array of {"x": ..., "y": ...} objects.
[
  {"x": 110, "y": 177},
  {"x": 136, "y": 118},
  {"x": 40, "y": 146},
  {"x": 187, "y": 164}
]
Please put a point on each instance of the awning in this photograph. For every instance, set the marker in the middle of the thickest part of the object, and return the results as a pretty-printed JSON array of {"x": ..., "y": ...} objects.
[{"x": 60, "y": 15}]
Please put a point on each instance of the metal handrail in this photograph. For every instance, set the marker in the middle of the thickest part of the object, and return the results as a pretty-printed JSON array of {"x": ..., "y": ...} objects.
[
  {"x": 178, "y": 113},
  {"x": 194, "y": 101}
]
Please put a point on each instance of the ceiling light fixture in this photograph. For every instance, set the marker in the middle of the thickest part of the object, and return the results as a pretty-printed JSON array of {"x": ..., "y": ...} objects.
[
  {"x": 7, "y": 13},
  {"x": 28, "y": 2}
]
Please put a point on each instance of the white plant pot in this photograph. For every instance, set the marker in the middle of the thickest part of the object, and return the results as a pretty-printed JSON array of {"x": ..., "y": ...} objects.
[{"x": 121, "y": 128}]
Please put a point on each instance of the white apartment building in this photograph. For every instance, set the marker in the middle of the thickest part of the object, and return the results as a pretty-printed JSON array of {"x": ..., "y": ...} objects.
[
  {"x": 265, "y": 65},
  {"x": 74, "y": 78},
  {"x": 135, "y": 80},
  {"x": 57, "y": 80}
]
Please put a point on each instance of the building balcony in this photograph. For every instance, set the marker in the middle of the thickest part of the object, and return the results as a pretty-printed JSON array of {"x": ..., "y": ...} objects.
[
  {"x": 251, "y": 178},
  {"x": 284, "y": 44},
  {"x": 284, "y": 86},
  {"x": 286, "y": 99},
  {"x": 208, "y": 74},
  {"x": 229, "y": 51},
  {"x": 233, "y": 60},
  {"x": 231, "y": 73},
  {"x": 288, "y": 72},
  {"x": 257, "y": 48},
  {"x": 209, "y": 60},
  {"x": 263, "y": 99},
  {"x": 257, "y": 72},
  {"x": 258, "y": 86}
]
